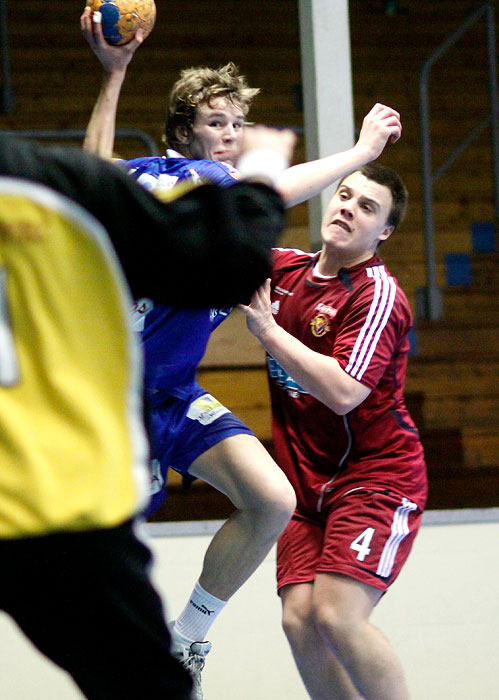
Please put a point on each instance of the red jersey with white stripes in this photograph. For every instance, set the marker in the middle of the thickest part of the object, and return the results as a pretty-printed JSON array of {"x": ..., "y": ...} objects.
[{"x": 361, "y": 318}]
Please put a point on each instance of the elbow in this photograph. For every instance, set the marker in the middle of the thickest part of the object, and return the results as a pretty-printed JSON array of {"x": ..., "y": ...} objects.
[
  {"x": 341, "y": 405},
  {"x": 345, "y": 394},
  {"x": 289, "y": 197},
  {"x": 336, "y": 404},
  {"x": 341, "y": 408}
]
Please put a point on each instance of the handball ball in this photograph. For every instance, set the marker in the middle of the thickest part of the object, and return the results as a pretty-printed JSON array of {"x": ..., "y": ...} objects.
[{"x": 122, "y": 18}]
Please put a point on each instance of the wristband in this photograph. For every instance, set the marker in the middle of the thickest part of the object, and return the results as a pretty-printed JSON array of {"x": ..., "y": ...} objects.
[{"x": 262, "y": 162}]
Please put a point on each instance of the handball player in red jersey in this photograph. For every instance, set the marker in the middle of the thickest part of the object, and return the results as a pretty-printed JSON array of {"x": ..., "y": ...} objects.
[{"x": 335, "y": 325}]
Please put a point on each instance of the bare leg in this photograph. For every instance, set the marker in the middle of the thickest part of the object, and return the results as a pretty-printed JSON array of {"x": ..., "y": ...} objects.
[
  {"x": 242, "y": 469},
  {"x": 342, "y": 607},
  {"x": 323, "y": 675}
]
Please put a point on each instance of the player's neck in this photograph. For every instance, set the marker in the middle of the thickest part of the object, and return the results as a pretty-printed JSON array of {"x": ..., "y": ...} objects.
[{"x": 330, "y": 263}]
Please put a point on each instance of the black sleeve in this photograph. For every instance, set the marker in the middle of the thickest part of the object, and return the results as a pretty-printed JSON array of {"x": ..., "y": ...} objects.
[{"x": 210, "y": 247}]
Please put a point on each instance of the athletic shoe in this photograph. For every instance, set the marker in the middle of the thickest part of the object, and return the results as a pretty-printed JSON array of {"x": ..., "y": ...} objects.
[{"x": 192, "y": 657}]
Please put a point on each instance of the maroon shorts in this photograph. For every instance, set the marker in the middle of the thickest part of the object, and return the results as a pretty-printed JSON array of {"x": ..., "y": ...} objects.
[{"x": 364, "y": 534}]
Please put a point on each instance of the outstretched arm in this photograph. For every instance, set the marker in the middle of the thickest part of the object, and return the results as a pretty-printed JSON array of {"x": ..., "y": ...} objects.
[
  {"x": 300, "y": 182},
  {"x": 99, "y": 137},
  {"x": 320, "y": 375},
  {"x": 210, "y": 247}
]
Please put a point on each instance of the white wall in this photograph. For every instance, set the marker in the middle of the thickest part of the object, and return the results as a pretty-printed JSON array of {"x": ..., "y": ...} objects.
[{"x": 442, "y": 616}]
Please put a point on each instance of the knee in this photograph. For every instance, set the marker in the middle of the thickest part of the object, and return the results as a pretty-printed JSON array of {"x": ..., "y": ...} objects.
[
  {"x": 335, "y": 625},
  {"x": 279, "y": 502},
  {"x": 286, "y": 498},
  {"x": 297, "y": 624}
]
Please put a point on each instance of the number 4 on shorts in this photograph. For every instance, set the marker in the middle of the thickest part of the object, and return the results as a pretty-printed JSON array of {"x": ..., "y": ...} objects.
[{"x": 362, "y": 542}]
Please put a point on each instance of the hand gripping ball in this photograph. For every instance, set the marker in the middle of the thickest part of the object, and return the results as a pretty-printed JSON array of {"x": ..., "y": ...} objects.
[{"x": 122, "y": 18}]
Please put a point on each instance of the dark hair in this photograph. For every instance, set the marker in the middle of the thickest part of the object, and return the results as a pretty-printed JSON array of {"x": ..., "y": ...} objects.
[
  {"x": 201, "y": 85},
  {"x": 389, "y": 178}
]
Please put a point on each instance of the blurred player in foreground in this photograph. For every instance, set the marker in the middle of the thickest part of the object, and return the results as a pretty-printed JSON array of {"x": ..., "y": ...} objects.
[
  {"x": 335, "y": 326},
  {"x": 190, "y": 430},
  {"x": 73, "y": 455}
]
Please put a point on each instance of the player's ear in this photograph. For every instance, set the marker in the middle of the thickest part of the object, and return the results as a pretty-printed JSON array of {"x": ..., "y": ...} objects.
[
  {"x": 183, "y": 135},
  {"x": 386, "y": 233}
]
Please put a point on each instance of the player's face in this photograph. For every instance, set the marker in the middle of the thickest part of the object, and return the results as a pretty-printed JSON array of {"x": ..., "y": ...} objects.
[
  {"x": 355, "y": 219},
  {"x": 217, "y": 132}
]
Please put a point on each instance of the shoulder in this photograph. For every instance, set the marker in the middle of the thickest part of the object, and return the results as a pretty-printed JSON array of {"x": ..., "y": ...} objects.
[
  {"x": 160, "y": 173},
  {"x": 379, "y": 276},
  {"x": 148, "y": 171},
  {"x": 148, "y": 163},
  {"x": 378, "y": 287},
  {"x": 207, "y": 170},
  {"x": 213, "y": 171},
  {"x": 282, "y": 257}
]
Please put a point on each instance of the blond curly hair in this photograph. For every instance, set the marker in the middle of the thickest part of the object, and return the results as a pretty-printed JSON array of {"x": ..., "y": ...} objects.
[{"x": 200, "y": 85}]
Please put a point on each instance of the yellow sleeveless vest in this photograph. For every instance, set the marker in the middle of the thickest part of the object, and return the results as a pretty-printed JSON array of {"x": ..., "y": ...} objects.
[{"x": 73, "y": 453}]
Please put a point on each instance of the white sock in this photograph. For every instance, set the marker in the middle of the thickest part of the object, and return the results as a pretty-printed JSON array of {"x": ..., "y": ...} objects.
[{"x": 198, "y": 615}]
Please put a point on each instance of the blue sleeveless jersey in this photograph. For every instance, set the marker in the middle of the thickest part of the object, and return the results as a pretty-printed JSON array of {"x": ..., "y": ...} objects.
[{"x": 174, "y": 339}]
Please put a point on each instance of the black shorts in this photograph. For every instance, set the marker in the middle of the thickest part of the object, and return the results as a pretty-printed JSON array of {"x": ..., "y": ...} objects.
[{"x": 86, "y": 601}]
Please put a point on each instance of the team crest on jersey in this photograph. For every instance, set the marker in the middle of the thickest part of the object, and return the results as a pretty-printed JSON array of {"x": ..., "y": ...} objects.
[{"x": 320, "y": 325}]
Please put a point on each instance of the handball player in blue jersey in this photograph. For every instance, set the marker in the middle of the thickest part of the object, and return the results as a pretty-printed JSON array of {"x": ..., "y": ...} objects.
[{"x": 189, "y": 429}]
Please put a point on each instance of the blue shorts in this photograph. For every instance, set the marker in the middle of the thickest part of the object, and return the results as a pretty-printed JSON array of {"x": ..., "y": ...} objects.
[{"x": 180, "y": 430}]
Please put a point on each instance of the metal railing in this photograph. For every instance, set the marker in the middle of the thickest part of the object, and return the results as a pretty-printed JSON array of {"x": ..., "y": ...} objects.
[
  {"x": 79, "y": 135},
  {"x": 429, "y": 302}
]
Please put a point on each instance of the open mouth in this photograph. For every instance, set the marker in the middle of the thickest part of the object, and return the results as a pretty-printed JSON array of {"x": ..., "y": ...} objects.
[
  {"x": 342, "y": 224},
  {"x": 224, "y": 154}
]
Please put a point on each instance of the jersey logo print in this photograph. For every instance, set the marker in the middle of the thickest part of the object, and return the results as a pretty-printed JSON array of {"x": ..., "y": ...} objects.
[
  {"x": 206, "y": 409},
  {"x": 139, "y": 312},
  {"x": 379, "y": 313},
  {"x": 320, "y": 325},
  {"x": 283, "y": 379},
  {"x": 329, "y": 310},
  {"x": 157, "y": 184},
  {"x": 214, "y": 313},
  {"x": 195, "y": 177},
  {"x": 165, "y": 182},
  {"x": 281, "y": 290}
]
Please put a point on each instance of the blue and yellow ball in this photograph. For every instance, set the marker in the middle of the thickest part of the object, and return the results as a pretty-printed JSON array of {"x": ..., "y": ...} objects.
[{"x": 122, "y": 18}]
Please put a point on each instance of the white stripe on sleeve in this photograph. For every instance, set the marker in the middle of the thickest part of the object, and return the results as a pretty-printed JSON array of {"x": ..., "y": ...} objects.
[{"x": 376, "y": 319}]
